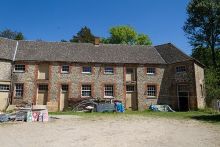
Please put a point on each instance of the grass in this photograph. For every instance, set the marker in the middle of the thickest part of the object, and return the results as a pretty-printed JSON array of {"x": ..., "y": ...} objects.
[{"x": 201, "y": 115}]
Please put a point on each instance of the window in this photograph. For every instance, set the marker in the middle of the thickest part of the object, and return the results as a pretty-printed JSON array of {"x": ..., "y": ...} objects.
[
  {"x": 109, "y": 91},
  {"x": 109, "y": 70},
  {"x": 151, "y": 71},
  {"x": 87, "y": 69},
  {"x": 151, "y": 90},
  {"x": 43, "y": 87},
  {"x": 19, "y": 68},
  {"x": 4, "y": 87},
  {"x": 183, "y": 88},
  {"x": 65, "y": 69},
  {"x": 130, "y": 88},
  {"x": 86, "y": 90},
  {"x": 19, "y": 90},
  {"x": 180, "y": 69},
  {"x": 65, "y": 88},
  {"x": 129, "y": 70}
]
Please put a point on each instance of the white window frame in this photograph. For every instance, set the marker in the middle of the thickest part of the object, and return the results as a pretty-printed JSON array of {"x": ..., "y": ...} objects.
[
  {"x": 150, "y": 91},
  {"x": 4, "y": 88},
  {"x": 22, "y": 68},
  {"x": 86, "y": 72},
  {"x": 179, "y": 69},
  {"x": 151, "y": 70},
  {"x": 88, "y": 89},
  {"x": 109, "y": 70},
  {"x": 20, "y": 90},
  {"x": 109, "y": 88},
  {"x": 63, "y": 67}
]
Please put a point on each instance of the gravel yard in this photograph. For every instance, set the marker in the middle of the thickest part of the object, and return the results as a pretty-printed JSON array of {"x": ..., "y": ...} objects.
[{"x": 129, "y": 131}]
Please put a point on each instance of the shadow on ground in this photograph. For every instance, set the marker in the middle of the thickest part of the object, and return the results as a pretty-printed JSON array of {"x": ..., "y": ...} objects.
[{"x": 208, "y": 118}]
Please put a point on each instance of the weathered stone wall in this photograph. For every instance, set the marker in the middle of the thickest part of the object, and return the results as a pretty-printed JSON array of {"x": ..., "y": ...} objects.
[
  {"x": 5, "y": 74},
  {"x": 143, "y": 80},
  {"x": 28, "y": 79},
  {"x": 200, "y": 89}
]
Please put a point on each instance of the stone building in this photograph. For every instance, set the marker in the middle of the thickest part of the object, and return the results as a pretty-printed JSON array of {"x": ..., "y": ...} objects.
[{"x": 48, "y": 73}]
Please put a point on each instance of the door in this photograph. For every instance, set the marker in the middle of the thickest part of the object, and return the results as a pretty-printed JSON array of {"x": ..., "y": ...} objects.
[
  {"x": 64, "y": 97},
  {"x": 130, "y": 74},
  {"x": 4, "y": 95},
  {"x": 131, "y": 97},
  {"x": 42, "y": 94},
  {"x": 183, "y": 101}
]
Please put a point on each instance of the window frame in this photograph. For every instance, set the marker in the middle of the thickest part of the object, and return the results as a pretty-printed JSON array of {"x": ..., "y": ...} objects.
[
  {"x": 86, "y": 72},
  {"x": 64, "y": 71},
  {"x": 21, "y": 90},
  {"x": 4, "y": 87},
  {"x": 86, "y": 90},
  {"x": 108, "y": 72},
  {"x": 23, "y": 68},
  {"x": 151, "y": 91},
  {"x": 150, "y": 72},
  {"x": 179, "y": 69},
  {"x": 107, "y": 90}
]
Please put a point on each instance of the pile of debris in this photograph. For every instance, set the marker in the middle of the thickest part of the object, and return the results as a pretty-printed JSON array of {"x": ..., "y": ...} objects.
[
  {"x": 96, "y": 105},
  {"x": 161, "y": 108},
  {"x": 27, "y": 114}
]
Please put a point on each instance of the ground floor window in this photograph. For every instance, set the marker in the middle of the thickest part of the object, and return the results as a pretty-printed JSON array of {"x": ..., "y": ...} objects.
[
  {"x": 109, "y": 91},
  {"x": 19, "y": 90},
  {"x": 4, "y": 87},
  {"x": 86, "y": 90},
  {"x": 151, "y": 90},
  {"x": 130, "y": 88}
]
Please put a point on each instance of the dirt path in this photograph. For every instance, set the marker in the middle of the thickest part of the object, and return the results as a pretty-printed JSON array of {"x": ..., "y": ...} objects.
[{"x": 132, "y": 131}]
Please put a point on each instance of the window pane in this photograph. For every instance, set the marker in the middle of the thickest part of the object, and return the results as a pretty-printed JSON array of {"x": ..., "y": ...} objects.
[
  {"x": 87, "y": 69},
  {"x": 109, "y": 90},
  {"x": 18, "y": 90},
  {"x": 86, "y": 90},
  {"x": 43, "y": 87},
  {"x": 130, "y": 88},
  {"x": 4, "y": 87},
  {"x": 65, "y": 88},
  {"x": 19, "y": 67},
  {"x": 150, "y": 70},
  {"x": 151, "y": 90},
  {"x": 180, "y": 69},
  {"x": 109, "y": 70},
  {"x": 65, "y": 68}
]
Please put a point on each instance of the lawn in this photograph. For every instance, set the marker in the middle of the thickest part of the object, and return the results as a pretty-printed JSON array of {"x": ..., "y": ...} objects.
[{"x": 201, "y": 115}]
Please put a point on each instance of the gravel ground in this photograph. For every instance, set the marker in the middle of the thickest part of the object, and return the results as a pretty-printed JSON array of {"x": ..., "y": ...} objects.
[{"x": 132, "y": 131}]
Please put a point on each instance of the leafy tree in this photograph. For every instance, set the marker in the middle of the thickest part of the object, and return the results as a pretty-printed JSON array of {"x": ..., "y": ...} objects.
[
  {"x": 203, "y": 26},
  {"x": 84, "y": 36},
  {"x": 7, "y": 33},
  {"x": 126, "y": 35}
]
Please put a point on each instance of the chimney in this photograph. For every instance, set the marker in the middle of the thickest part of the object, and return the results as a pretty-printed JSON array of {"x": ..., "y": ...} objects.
[{"x": 97, "y": 41}]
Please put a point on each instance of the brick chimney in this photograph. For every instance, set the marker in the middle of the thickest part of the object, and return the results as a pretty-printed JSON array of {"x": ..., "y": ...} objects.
[{"x": 97, "y": 41}]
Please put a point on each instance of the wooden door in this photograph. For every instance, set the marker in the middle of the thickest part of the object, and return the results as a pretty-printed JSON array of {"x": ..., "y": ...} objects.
[
  {"x": 63, "y": 101},
  {"x": 131, "y": 101},
  {"x": 3, "y": 99}
]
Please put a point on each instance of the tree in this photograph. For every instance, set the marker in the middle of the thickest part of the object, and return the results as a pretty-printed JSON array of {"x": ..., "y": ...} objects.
[
  {"x": 126, "y": 35},
  {"x": 83, "y": 36},
  {"x": 203, "y": 26},
  {"x": 7, "y": 33}
]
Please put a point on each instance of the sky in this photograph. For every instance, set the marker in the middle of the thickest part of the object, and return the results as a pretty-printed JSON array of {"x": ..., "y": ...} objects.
[{"x": 53, "y": 20}]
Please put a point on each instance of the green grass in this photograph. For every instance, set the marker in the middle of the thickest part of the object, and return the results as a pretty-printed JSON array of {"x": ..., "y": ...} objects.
[{"x": 201, "y": 115}]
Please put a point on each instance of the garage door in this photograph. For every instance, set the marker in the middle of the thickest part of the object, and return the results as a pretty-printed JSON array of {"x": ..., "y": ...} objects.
[{"x": 4, "y": 94}]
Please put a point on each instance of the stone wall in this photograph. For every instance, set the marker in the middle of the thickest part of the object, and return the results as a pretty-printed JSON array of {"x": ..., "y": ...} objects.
[{"x": 5, "y": 74}]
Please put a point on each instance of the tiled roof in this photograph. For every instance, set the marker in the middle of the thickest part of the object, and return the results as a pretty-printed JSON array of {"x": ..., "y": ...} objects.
[{"x": 7, "y": 48}]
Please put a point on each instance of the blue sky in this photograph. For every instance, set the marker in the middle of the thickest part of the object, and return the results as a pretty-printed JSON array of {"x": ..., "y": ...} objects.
[{"x": 53, "y": 20}]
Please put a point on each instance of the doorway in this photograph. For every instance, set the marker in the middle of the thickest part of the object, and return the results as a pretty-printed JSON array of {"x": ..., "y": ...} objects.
[
  {"x": 42, "y": 94},
  {"x": 183, "y": 96},
  {"x": 131, "y": 97},
  {"x": 64, "y": 97}
]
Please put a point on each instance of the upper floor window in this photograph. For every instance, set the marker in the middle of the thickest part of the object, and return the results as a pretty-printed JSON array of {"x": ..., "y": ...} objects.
[
  {"x": 4, "y": 87},
  {"x": 19, "y": 90},
  {"x": 87, "y": 69},
  {"x": 19, "y": 68},
  {"x": 151, "y": 90},
  {"x": 151, "y": 71},
  {"x": 86, "y": 91},
  {"x": 65, "y": 69},
  {"x": 109, "y": 70},
  {"x": 180, "y": 69},
  {"x": 109, "y": 91}
]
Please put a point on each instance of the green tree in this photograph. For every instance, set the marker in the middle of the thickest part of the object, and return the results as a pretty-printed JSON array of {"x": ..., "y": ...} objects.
[
  {"x": 203, "y": 26},
  {"x": 126, "y": 35},
  {"x": 7, "y": 33},
  {"x": 83, "y": 36}
]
